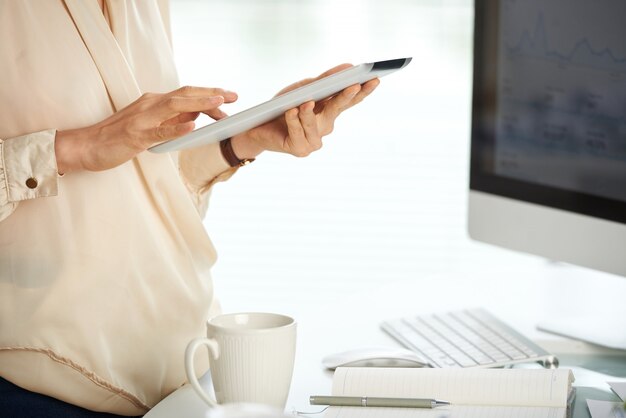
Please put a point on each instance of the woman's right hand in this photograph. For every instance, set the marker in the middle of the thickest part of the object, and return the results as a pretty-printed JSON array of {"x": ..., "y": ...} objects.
[{"x": 151, "y": 119}]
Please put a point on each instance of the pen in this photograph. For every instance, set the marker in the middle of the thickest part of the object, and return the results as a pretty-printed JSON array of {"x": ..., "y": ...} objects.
[{"x": 374, "y": 401}]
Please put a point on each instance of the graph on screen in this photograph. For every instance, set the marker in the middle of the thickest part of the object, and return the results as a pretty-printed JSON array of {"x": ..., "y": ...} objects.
[
  {"x": 535, "y": 44},
  {"x": 561, "y": 110}
]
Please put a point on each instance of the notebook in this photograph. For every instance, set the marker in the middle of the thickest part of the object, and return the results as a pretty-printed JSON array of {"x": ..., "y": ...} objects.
[{"x": 473, "y": 393}]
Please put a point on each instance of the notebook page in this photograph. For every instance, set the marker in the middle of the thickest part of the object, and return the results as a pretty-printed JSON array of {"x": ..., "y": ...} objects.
[
  {"x": 459, "y": 411},
  {"x": 495, "y": 387}
]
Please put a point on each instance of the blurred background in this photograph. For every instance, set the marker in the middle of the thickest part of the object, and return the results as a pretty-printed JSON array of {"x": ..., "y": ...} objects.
[{"x": 384, "y": 201}]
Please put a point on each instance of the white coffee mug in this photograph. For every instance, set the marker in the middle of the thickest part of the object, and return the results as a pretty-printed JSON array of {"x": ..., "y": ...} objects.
[{"x": 251, "y": 358}]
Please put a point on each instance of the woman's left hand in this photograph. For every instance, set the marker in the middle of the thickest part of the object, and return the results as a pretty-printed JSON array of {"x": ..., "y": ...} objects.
[{"x": 300, "y": 130}]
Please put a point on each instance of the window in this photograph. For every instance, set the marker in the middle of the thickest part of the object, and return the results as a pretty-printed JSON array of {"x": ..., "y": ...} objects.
[{"x": 385, "y": 198}]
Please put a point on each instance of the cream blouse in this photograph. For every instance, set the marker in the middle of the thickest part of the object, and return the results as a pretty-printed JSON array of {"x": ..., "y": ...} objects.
[{"x": 104, "y": 276}]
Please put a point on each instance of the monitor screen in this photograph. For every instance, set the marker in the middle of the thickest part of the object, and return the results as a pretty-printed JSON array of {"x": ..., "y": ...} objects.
[
  {"x": 548, "y": 154},
  {"x": 549, "y": 111}
]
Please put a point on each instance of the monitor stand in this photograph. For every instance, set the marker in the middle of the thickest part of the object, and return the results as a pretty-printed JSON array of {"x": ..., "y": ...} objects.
[{"x": 584, "y": 304}]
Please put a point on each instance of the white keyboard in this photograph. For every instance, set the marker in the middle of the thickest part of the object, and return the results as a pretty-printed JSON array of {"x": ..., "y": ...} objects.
[{"x": 467, "y": 338}]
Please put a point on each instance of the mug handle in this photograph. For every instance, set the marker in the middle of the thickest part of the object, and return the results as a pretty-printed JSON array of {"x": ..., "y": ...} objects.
[{"x": 190, "y": 354}]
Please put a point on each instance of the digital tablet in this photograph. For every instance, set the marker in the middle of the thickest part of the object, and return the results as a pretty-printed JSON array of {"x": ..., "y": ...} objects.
[{"x": 265, "y": 112}]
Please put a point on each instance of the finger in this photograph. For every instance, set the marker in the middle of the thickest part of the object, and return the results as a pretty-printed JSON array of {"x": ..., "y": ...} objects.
[
  {"x": 171, "y": 106},
  {"x": 166, "y": 132},
  {"x": 296, "y": 135},
  {"x": 366, "y": 90},
  {"x": 216, "y": 114},
  {"x": 321, "y": 105},
  {"x": 182, "y": 118},
  {"x": 192, "y": 91},
  {"x": 308, "y": 121},
  {"x": 340, "y": 102},
  {"x": 371, "y": 85}
]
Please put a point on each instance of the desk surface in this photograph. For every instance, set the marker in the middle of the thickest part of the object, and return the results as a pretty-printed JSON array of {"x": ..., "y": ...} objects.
[{"x": 342, "y": 322}]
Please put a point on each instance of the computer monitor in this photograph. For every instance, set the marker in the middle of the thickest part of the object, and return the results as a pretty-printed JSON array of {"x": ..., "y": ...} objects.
[{"x": 548, "y": 152}]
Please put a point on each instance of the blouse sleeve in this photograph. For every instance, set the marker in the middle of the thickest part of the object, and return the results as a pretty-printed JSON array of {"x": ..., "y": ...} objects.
[
  {"x": 28, "y": 169},
  {"x": 200, "y": 168}
]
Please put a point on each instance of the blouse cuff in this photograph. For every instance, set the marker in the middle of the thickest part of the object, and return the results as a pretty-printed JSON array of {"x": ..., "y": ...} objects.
[
  {"x": 28, "y": 168},
  {"x": 204, "y": 166}
]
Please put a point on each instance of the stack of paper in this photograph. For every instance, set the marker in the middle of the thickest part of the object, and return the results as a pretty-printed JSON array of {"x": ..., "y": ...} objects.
[{"x": 605, "y": 409}]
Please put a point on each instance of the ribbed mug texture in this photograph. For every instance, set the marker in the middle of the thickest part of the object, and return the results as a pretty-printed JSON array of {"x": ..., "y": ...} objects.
[{"x": 254, "y": 367}]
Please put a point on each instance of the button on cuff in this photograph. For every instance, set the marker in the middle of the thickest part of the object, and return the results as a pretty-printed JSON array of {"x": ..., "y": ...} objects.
[
  {"x": 31, "y": 183},
  {"x": 29, "y": 166}
]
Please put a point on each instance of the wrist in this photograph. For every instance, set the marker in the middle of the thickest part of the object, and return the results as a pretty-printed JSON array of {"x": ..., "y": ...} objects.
[
  {"x": 244, "y": 147},
  {"x": 229, "y": 155},
  {"x": 67, "y": 151}
]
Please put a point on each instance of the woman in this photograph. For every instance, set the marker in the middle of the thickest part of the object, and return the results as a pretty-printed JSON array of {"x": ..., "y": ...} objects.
[{"x": 104, "y": 263}]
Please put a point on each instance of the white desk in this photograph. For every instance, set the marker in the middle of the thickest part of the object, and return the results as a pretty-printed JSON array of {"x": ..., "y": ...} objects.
[{"x": 341, "y": 322}]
